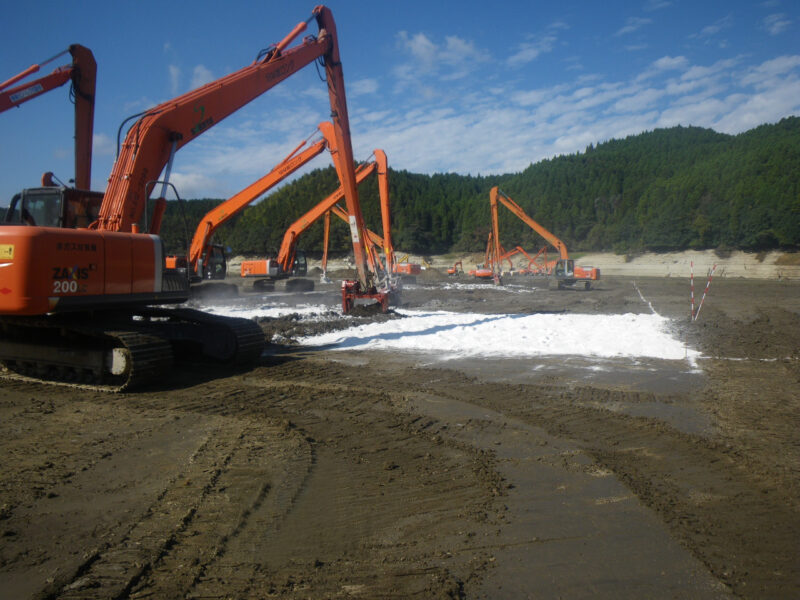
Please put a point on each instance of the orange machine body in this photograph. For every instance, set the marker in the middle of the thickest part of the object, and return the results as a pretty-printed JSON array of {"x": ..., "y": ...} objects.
[
  {"x": 77, "y": 269},
  {"x": 404, "y": 268},
  {"x": 268, "y": 267}
]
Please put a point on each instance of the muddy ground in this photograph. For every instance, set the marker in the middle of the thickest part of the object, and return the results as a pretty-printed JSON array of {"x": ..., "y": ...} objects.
[{"x": 342, "y": 474}]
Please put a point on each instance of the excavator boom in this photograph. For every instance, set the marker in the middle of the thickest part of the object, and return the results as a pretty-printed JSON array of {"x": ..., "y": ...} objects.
[
  {"x": 164, "y": 129},
  {"x": 496, "y": 195},
  {"x": 82, "y": 72}
]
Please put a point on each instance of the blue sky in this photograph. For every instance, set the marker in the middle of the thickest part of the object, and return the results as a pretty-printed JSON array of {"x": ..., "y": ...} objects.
[{"x": 465, "y": 87}]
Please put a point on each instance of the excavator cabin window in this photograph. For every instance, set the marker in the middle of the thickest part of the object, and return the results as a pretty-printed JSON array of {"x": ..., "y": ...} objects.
[
  {"x": 54, "y": 207},
  {"x": 40, "y": 208},
  {"x": 300, "y": 264}
]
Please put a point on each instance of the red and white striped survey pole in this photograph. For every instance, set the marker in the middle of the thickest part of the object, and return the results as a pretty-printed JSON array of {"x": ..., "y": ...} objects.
[
  {"x": 691, "y": 285},
  {"x": 710, "y": 276}
]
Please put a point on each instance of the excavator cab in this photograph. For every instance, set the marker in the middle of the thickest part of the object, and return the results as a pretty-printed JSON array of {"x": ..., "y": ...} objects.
[
  {"x": 300, "y": 267},
  {"x": 54, "y": 207},
  {"x": 216, "y": 266},
  {"x": 565, "y": 268}
]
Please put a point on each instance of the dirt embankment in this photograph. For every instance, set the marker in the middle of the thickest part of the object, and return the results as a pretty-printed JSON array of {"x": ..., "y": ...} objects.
[{"x": 331, "y": 474}]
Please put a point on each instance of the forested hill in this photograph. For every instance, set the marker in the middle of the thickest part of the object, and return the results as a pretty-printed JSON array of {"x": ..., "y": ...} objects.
[{"x": 669, "y": 189}]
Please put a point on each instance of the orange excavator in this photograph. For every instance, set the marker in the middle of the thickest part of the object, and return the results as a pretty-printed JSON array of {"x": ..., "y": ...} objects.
[
  {"x": 486, "y": 270},
  {"x": 565, "y": 273},
  {"x": 85, "y": 305},
  {"x": 292, "y": 262},
  {"x": 78, "y": 207},
  {"x": 456, "y": 269},
  {"x": 374, "y": 241},
  {"x": 286, "y": 262},
  {"x": 206, "y": 260}
]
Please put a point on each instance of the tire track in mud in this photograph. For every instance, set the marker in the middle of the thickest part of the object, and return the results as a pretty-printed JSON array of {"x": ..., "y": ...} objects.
[
  {"x": 250, "y": 485},
  {"x": 115, "y": 570},
  {"x": 742, "y": 524},
  {"x": 341, "y": 496}
]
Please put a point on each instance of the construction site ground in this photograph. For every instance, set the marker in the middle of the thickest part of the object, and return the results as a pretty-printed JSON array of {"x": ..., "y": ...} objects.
[{"x": 324, "y": 473}]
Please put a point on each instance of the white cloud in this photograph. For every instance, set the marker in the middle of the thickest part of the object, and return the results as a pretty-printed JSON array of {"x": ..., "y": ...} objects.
[
  {"x": 530, "y": 50},
  {"x": 633, "y": 24},
  {"x": 174, "y": 79},
  {"x": 201, "y": 76},
  {"x": 669, "y": 63},
  {"x": 776, "y": 24},
  {"x": 639, "y": 101},
  {"x": 702, "y": 72},
  {"x": 746, "y": 111},
  {"x": 533, "y": 97},
  {"x": 715, "y": 28},
  {"x": 317, "y": 92},
  {"x": 665, "y": 63},
  {"x": 452, "y": 60},
  {"x": 700, "y": 111},
  {"x": 420, "y": 47},
  {"x": 195, "y": 185},
  {"x": 370, "y": 116},
  {"x": 363, "y": 86},
  {"x": 654, "y": 5},
  {"x": 497, "y": 128},
  {"x": 137, "y": 105},
  {"x": 103, "y": 145},
  {"x": 767, "y": 71}
]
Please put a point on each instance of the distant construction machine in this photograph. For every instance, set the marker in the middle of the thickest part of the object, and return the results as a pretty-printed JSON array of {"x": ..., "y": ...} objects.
[
  {"x": 206, "y": 260},
  {"x": 564, "y": 272},
  {"x": 289, "y": 257}
]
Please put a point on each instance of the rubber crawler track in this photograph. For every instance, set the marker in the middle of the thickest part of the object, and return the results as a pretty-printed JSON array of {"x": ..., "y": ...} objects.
[{"x": 152, "y": 342}]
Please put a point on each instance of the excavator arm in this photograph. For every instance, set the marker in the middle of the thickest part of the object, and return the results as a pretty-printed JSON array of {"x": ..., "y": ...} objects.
[
  {"x": 286, "y": 253},
  {"x": 152, "y": 141},
  {"x": 374, "y": 242},
  {"x": 386, "y": 217},
  {"x": 496, "y": 195},
  {"x": 198, "y": 251},
  {"x": 82, "y": 72}
]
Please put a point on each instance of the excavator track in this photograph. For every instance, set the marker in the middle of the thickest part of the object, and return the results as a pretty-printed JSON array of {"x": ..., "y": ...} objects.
[
  {"x": 81, "y": 355},
  {"x": 199, "y": 335},
  {"x": 120, "y": 351}
]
